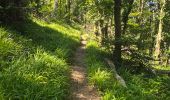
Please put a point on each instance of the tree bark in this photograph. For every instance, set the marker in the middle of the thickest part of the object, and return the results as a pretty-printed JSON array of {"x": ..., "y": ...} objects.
[
  {"x": 117, "y": 19},
  {"x": 60, "y": 12},
  {"x": 159, "y": 35},
  {"x": 55, "y": 8},
  {"x": 69, "y": 9},
  {"x": 126, "y": 15},
  {"x": 141, "y": 6}
]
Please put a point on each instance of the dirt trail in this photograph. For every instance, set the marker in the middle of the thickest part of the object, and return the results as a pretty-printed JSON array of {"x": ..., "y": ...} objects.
[{"x": 80, "y": 88}]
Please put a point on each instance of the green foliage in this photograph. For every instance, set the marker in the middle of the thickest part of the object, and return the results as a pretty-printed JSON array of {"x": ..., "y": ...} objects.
[
  {"x": 19, "y": 10},
  {"x": 43, "y": 8},
  {"x": 140, "y": 86},
  {"x": 34, "y": 60}
]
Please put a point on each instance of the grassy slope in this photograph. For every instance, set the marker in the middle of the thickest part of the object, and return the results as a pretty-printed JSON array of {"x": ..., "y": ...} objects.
[
  {"x": 34, "y": 60},
  {"x": 140, "y": 87}
]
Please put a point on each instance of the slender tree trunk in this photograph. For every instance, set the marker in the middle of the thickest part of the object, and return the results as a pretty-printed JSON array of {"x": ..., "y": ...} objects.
[
  {"x": 140, "y": 20},
  {"x": 159, "y": 35},
  {"x": 106, "y": 30},
  {"x": 69, "y": 9},
  {"x": 126, "y": 15},
  {"x": 153, "y": 31},
  {"x": 117, "y": 19},
  {"x": 141, "y": 6},
  {"x": 55, "y": 8},
  {"x": 96, "y": 28},
  {"x": 60, "y": 8}
]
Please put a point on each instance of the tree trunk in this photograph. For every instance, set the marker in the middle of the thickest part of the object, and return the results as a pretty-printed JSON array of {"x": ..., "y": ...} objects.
[
  {"x": 60, "y": 12},
  {"x": 69, "y": 9},
  {"x": 140, "y": 20},
  {"x": 126, "y": 15},
  {"x": 159, "y": 35},
  {"x": 55, "y": 8},
  {"x": 117, "y": 18},
  {"x": 141, "y": 6}
]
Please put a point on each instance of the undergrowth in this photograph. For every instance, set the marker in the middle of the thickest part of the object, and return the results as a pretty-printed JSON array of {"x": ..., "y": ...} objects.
[
  {"x": 140, "y": 86},
  {"x": 34, "y": 58}
]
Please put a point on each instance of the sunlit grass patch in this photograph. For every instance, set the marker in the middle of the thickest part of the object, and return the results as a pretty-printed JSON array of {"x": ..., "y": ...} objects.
[
  {"x": 41, "y": 76},
  {"x": 34, "y": 60},
  {"x": 9, "y": 49},
  {"x": 101, "y": 79},
  {"x": 98, "y": 73}
]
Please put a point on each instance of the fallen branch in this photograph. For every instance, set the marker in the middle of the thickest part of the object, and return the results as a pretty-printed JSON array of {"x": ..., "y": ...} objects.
[
  {"x": 159, "y": 71},
  {"x": 117, "y": 76}
]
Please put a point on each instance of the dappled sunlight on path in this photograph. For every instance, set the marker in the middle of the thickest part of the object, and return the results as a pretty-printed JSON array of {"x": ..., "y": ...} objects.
[{"x": 80, "y": 88}]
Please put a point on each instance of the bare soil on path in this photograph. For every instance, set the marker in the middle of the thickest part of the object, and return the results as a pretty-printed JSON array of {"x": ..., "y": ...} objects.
[{"x": 80, "y": 88}]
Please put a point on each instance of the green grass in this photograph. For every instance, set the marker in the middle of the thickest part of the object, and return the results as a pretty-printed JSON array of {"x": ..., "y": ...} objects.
[
  {"x": 162, "y": 67},
  {"x": 97, "y": 71},
  {"x": 140, "y": 86},
  {"x": 34, "y": 61}
]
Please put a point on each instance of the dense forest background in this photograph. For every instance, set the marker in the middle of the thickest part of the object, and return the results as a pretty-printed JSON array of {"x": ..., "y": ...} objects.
[
  {"x": 134, "y": 34},
  {"x": 141, "y": 27}
]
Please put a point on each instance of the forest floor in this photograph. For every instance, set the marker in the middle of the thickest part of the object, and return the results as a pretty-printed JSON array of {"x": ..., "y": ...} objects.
[{"x": 80, "y": 88}]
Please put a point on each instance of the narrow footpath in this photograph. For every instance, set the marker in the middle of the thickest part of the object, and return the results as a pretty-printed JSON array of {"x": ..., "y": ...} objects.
[{"x": 80, "y": 87}]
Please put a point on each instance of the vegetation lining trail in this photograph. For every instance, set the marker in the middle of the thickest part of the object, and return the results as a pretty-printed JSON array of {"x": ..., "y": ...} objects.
[
  {"x": 33, "y": 60},
  {"x": 81, "y": 89}
]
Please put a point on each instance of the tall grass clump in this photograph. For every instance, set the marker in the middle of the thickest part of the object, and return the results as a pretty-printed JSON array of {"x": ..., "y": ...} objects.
[
  {"x": 34, "y": 60},
  {"x": 98, "y": 73},
  {"x": 9, "y": 49}
]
